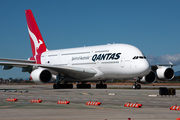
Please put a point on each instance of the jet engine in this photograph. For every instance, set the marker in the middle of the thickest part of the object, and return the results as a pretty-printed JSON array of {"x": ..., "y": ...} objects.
[
  {"x": 148, "y": 79},
  {"x": 41, "y": 75},
  {"x": 165, "y": 73}
]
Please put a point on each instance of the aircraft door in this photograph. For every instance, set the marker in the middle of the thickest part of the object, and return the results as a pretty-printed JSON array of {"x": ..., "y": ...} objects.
[{"x": 122, "y": 62}]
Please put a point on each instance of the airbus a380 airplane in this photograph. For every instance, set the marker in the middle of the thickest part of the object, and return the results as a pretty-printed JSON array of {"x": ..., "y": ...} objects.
[{"x": 85, "y": 64}]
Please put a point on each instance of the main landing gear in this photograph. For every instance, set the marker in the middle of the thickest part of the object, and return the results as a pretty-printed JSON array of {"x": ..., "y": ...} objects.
[
  {"x": 62, "y": 86},
  {"x": 79, "y": 86},
  {"x": 57, "y": 85},
  {"x": 83, "y": 86},
  {"x": 101, "y": 86},
  {"x": 88, "y": 86},
  {"x": 60, "y": 78},
  {"x": 136, "y": 86}
]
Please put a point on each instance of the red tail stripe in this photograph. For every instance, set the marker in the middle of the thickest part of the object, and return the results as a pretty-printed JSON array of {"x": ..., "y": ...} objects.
[{"x": 37, "y": 43}]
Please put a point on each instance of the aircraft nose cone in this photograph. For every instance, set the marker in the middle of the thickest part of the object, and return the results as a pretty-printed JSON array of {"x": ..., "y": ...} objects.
[{"x": 145, "y": 68}]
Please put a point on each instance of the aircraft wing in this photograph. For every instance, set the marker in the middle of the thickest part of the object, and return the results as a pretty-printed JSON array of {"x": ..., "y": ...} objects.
[
  {"x": 18, "y": 60},
  {"x": 71, "y": 72},
  {"x": 16, "y": 64},
  {"x": 154, "y": 67}
]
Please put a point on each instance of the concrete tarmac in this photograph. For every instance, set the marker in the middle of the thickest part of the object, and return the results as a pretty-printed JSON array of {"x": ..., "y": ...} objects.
[{"x": 112, "y": 107}]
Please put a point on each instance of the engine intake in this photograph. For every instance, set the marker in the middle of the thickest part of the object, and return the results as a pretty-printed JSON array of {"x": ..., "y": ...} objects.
[
  {"x": 148, "y": 79},
  {"x": 41, "y": 75},
  {"x": 165, "y": 73}
]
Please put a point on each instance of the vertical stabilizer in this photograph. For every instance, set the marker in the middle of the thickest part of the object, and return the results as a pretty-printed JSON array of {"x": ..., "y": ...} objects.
[{"x": 37, "y": 43}]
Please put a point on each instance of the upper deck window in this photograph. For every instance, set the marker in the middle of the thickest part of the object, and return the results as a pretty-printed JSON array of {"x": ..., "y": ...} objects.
[{"x": 76, "y": 53}]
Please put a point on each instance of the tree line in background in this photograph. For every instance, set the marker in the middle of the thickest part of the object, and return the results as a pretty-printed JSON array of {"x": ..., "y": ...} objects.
[{"x": 16, "y": 80}]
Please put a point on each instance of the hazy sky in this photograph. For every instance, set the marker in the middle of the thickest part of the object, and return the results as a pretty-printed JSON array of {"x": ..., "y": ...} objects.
[{"x": 151, "y": 25}]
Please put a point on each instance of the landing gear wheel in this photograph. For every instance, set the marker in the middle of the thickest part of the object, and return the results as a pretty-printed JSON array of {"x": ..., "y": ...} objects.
[
  {"x": 54, "y": 86},
  {"x": 105, "y": 86},
  {"x": 62, "y": 86},
  {"x": 101, "y": 86},
  {"x": 83, "y": 86},
  {"x": 136, "y": 86}
]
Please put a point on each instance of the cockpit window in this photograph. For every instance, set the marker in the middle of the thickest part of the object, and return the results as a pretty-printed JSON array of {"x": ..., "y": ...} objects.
[{"x": 139, "y": 57}]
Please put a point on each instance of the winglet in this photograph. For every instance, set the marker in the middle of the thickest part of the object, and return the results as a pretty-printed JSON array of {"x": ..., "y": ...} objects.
[{"x": 37, "y": 43}]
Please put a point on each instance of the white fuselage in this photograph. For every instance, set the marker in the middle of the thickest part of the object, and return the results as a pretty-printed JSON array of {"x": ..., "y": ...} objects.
[{"x": 112, "y": 61}]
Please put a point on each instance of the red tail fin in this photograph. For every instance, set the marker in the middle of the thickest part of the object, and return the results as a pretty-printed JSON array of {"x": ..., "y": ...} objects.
[{"x": 37, "y": 43}]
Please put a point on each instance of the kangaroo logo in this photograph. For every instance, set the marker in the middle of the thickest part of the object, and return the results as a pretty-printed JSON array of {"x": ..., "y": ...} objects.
[{"x": 37, "y": 42}]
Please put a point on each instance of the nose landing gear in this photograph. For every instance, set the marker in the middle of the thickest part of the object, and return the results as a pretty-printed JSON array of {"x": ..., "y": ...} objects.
[{"x": 136, "y": 86}]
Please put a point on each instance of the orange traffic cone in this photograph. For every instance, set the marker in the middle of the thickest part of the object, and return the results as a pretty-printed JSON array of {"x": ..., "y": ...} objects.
[
  {"x": 97, "y": 103},
  {"x": 138, "y": 105},
  {"x": 178, "y": 108},
  {"x": 127, "y": 104},
  {"x": 63, "y": 102},
  {"x": 36, "y": 101},
  {"x": 88, "y": 103},
  {"x": 93, "y": 103},
  {"x": 173, "y": 107},
  {"x": 12, "y": 99}
]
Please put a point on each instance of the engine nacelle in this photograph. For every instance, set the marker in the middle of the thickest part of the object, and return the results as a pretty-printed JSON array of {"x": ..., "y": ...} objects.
[
  {"x": 41, "y": 75},
  {"x": 148, "y": 79},
  {"x": 165, "y": 73}
]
